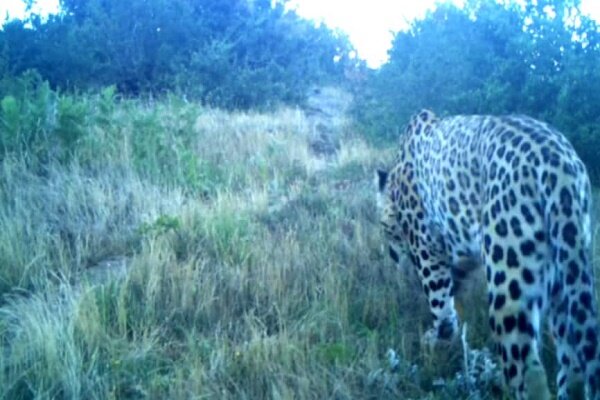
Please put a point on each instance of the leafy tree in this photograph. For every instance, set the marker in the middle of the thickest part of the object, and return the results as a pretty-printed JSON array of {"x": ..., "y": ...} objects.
[{"x": 235, "y": 54}]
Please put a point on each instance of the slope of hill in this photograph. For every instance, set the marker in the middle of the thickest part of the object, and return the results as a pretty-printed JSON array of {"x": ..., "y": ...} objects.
[{"x": 182, "y": 252}]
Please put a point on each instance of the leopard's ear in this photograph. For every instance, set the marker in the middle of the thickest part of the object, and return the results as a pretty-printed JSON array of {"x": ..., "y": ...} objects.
[
  {"x": 381, "y": 179},
  {"x": 426, "y": 115}
]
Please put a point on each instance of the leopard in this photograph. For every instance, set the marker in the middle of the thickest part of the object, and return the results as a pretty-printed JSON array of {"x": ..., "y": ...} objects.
[{"x": 507, "y": 195}]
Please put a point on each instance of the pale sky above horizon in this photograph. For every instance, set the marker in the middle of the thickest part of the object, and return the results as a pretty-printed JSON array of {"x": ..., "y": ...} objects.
[{"x": 368, "y": 23}]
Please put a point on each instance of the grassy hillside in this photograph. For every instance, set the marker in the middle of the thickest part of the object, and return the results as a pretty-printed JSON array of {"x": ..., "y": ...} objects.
[{"x": 179, "y": 252}]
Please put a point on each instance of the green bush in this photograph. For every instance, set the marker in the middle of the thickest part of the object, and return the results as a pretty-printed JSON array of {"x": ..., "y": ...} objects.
[
  {"x": 236, "y": 54},
  {"x": 27, "y": 116}
]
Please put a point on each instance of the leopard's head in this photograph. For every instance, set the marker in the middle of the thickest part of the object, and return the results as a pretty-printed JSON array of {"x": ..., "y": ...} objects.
[{"x": 388, "y": 210}]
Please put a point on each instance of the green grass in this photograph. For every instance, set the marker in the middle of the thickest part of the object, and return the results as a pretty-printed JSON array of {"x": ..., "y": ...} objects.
[{"x": 253, "y": 268}]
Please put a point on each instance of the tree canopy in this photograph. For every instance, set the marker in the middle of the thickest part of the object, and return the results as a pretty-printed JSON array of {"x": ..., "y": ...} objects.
[{"x": 234, "y": 54}]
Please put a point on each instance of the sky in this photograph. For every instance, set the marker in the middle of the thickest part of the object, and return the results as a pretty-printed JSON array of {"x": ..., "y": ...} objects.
[{"x": 368, "y": 23}]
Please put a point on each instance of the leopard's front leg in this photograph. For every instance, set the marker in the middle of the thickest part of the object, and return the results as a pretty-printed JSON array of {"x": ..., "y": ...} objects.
[{"x": 437, "y": 283}]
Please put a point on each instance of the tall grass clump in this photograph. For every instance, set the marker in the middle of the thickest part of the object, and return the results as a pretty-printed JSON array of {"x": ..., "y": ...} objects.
[{"x": 67, "y": 219}]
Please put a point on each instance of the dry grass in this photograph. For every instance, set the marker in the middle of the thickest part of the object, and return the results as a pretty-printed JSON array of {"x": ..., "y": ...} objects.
[{"x": 272, "y": 284}]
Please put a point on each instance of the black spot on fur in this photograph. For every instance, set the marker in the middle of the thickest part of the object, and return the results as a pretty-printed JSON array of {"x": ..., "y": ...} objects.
[
  {"x": 591, "y": 334},
  {"x": 572, "y": 272},
  {"x": 487, "y": 242},
  {"x": 516, "y": 141},
  {"x": 561, "y": 330},
  {"x": 509, "y": 156},
  {"x": 515, "y": 162},
  {"x": 574, "y": 308},
  {"x": 463, "y": 181},
  {"x": 452, "y": 226},
  {"x": 528, "y": 276},
  {"x": 510, "y": 322},
  {"x": 527, "y": 247},
  {"x": 586, "y": 300},
  {"x": 473, "y": 199},
  {"x": 575, "y": 336},
  {"x": 514, "y": 289},
  {"x": 493, "y": 170},
  {"x": 453, "y": 206},
  {"x": 527, "y": 214},
  {"x": 511, "y": 258},
  {"x": 499, "y": 278},
  {"x": 501, "y": 228},
  {"x": 551, "y": 182},
  {"x": 405, "y": 228},
  {"x": 525, "y": 351},
  {"x": 433, "y": 285},
  {"x": 566, "y": 202},
  {"x": 382, "y": 179},
  {"x": 497, "y": 254},
  {"x": 589, "y": 351},
  {"x": 485, "y": 219},
  {"x": 496, "y": 209},
  {"x": 556, "y": 288},
  {"x": 585, "y": 278},
  {"x": 524, "y": 324},
  {"x": 512, "y": 198},
  {"x": 393, "y": 254},
  {"x": 515, "y": 225},
  {"x": 563, "y": 255},
  {"x": 491, "y": 150},
  {"x": 562, "y": 381},
  {"x": 514, "y": 351},
  {"x": 450, "y": 185},
  {"x": 539, "y": 236},
  {"x": 499, "y": 301},
  {"x": 526, "y": 191},
  {"x": 500, "y": 152},
  {"x": 569, "y": 169},
  {"x": 569, "y": 233},
  {"x": 516, "y": 175}
]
